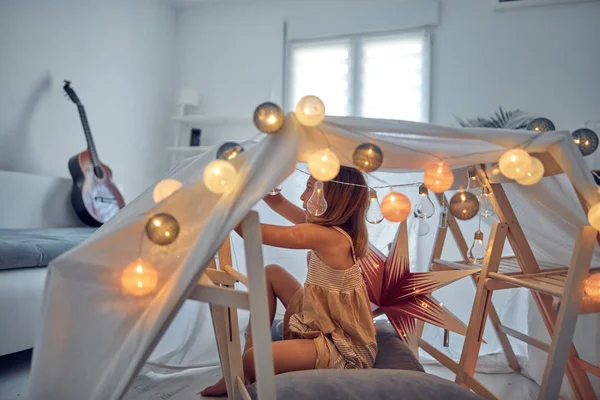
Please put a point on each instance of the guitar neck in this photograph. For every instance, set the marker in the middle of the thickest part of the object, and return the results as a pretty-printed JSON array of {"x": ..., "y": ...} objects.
[{"x": 88, "y": 136}]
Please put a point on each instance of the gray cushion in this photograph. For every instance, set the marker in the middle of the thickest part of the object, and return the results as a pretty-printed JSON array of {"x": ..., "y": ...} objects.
[
  {"x": 26, "y": 248},
  {"x": 368, "y": 384},
  {"x": 392, "y": 353}
]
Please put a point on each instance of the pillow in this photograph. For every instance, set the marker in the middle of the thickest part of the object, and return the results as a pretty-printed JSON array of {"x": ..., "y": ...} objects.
[{"x": 368, "y": 384}]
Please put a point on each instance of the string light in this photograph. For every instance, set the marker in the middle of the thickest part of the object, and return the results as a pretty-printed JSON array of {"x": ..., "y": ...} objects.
[
  {"x": 486, "y": 207},
  {"x": 310, "y": 111},
  {"x": 229, "y": 150},
  {"x": 586, "y": 139},
  {"x": 219, "y": 176},
  {"x": 323, "y": 165},
  {"x": 374, "y": 215},
  {"x": 515, "y": 163},
  {"x": 367, "y": 157},
  {"x": 395, "y": 207},
  {"x": 317, "y": 205},
  {"x": 276, "y": 190},
  {"x": 592, "y": 286},
  {"x": 477, "y": 249},
  {"x": 464, "y": 205},
  {"x": 438, "y": 178},
  {"x": 535, "y": 173},
  {"x": 139, "y": 278},
  {"x": 424, "y": 207},
  {"x": 268, "y": 117},
  {"x": 540, "y": 125},
  {"x": 162, "y": 229},
  {"x": 164, "y": 189},
  {"x": 421, "y": 227}
]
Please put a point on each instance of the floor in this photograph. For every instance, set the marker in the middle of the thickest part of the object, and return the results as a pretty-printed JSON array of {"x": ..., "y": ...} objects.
[{"x": 14, "y": 374}]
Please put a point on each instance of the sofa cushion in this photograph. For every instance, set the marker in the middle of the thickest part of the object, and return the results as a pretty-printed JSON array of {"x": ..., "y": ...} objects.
[
  {"x": 368, "y": 384},
  {"x": 393, "y": 353},
  {"x": 26, "y": 248}
]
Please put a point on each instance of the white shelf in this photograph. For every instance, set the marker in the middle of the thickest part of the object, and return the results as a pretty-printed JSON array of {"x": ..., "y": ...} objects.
[
  {"x": 189, "y": 149},
  {"x": 213, "y": 120}
]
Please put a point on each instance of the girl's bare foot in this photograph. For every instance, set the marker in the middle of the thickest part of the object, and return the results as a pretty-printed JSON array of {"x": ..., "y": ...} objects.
[{"x": 217, "y": 390}]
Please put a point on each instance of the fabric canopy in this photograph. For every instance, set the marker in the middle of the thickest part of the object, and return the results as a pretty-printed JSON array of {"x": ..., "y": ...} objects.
[{"x": 94, "y": 337}]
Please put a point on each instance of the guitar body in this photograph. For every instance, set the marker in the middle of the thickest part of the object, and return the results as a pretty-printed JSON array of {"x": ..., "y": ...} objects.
[{"x": 95, "y": 200}]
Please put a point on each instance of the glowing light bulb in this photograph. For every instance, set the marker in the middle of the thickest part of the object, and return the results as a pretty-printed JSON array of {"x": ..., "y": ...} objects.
[
  {"x": 162, "y": 229},
  {"x": 477, "y": 249},
  {"x": 268, "y": 117},
  {"x": 471, "y": 179},
  {"x": 395, "y": 207},
  {"x": 486, "y": 207},
  {"x": 310, "y": 111},
  {"x": 424, "y": 207},
  {"x": 367, "y": 157},
  {"x": 438, "y": 178},
  {"x": 374, "y": 215},
  {"x": 586, "y": 139},
  {"x": 592, "y": 286},
  {"x": 540, "y": 125},
  {"x": 229, "y": 150},
  {"x": 421, "y": 227},
  {"x": 323, "y": 165},
  {"x": 535, "y": 173},
  {"x": 594, "y": 216},
  {"x": 515, "y": 163},
  {"x": 317, "y": 205},
  {"x": 164, "y": 189},
  {"x": 464, "y": 205},
  {"x": 219, "y": 176},
  {"x": 139, "y": 278}
]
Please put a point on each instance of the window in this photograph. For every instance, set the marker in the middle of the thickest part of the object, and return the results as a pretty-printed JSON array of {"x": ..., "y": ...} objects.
[{"x": 369, "y": 76}]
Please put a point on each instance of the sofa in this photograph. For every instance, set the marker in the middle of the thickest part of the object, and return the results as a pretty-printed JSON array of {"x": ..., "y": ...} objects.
[{"x": 37, "y": 224}]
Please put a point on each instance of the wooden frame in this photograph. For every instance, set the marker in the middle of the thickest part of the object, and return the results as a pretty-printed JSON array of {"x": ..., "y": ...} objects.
[{"x": 564, "y": 283}]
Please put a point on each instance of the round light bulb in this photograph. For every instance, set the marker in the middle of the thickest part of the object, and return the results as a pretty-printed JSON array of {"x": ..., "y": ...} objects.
[
  {"x": 268, "y": 117},
  {"x": 367, "y": 157},
  {"x": 592, "y": 286},
  {"x": 594, "y": 217},
  {"x": 395, "y": 207},
  {"x": 586, "y": 139},
  {"x": 164, "y": 189},
  {"x": 323, "y": 165},
  {"x": 219, "y": 176},
  {"x": 229, "y": 151},
  {"x": 535, "y": 173},
  {"x": 438, "y": 178},
  {"x": 464, "y": 205},
  {"x": 515, "y": 163},
  {"x": 540, "y": 125},
  {"x": 139, "y": 278},
  {"x": 310, "y": 111},
  {"x": 162, "y": 229}
]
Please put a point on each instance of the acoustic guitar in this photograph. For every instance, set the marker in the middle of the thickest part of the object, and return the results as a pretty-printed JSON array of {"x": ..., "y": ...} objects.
[{"x": 94, "y": 196}]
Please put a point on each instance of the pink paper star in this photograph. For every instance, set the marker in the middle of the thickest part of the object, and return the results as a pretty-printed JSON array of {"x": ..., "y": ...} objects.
[{"x": 403, "y": 295}]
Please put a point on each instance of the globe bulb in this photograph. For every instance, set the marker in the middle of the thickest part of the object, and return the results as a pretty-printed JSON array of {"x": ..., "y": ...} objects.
[
  {"x": 139, "y": 278},
  {"x": 162, "y": 229},
  {"x": 276, "y": 190},
  {"x": 268, "y": 117},
  {"x": 592, "y": 286},
  {"x": 219, "y": 176},
  {"x": 586, "y": 139},
  {"x": 421, "y": 227},
  {"x": 486, "y": 207},
  {"x": 310, "y": 111},
  {"x": 374, "y": 215},
  {"x": 464, "y": 205},
  {"x": 229, "y": 151},
  {"x": 367, "y": 157},
  {"x": 323, "y": 165},
  {"x": 515, "y": 163},
  {"x": 535, "y": 173},
  {"x": 443, "y": 217},
  {"x": 594, "y": 217},
  {"x": 164, "y": 189},
  {"x": 395, "y": 207},
  {"x": 477, "y": 249},
  {"x": 317, "y": 205},
  {"x": 540, "y": 125},
  {"x": 424, "y": 207},
  {"x": 438, "y": 178}
]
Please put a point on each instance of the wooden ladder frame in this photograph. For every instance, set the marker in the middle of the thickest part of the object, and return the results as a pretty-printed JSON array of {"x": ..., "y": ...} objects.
[
  {"x": 562, "y": 355},
  {"x": 216, "y": 287}
]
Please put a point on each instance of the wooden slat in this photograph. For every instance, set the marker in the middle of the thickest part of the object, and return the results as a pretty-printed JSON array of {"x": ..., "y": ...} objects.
[
  {"x": 242, "y": 389},
  {"x": 225, "y": 253},
  {"x": 221, "y": 296},
  {"x": 586, "y": 366},
  {"x": 525, "y": 338},
  {"x": 552, "y": 290},
  {"x": 238, "y": 276},
  {"x": 562, "y": 339},
  {"x": 220, "y": 277}
]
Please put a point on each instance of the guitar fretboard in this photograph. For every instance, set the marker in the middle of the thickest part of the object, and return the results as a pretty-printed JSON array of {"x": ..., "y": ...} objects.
[{"x": 88, "y": 136}]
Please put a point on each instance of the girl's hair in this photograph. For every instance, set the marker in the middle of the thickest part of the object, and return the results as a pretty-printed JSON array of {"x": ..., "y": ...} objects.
[{"x": 347, "y": 207}]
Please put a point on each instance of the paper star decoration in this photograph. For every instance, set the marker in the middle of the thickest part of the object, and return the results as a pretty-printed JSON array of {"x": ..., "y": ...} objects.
[{"x": 405, "y": 296}]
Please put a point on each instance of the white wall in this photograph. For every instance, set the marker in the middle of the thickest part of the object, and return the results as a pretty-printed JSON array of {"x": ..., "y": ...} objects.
[
  {"x": 118, "y": 54},
  {"x": 541, "y": 59}
]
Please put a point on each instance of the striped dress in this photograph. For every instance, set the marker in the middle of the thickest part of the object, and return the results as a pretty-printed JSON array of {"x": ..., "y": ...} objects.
[{"x": 333, "y": 309}]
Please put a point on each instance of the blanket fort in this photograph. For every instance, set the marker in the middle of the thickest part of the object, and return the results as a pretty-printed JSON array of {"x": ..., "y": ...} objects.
[{"x": 99, "y": 326}]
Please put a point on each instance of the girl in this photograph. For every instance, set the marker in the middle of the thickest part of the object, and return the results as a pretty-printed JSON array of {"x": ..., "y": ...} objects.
[{"x": 328, "y": 322}]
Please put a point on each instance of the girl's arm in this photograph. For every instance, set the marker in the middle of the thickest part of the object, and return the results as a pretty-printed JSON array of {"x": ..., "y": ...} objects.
[
  {"x": 301, "y": 236},
  {"x": 285, "y": 208}
]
